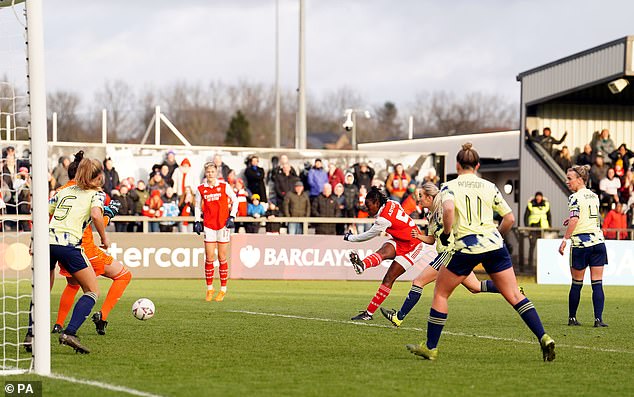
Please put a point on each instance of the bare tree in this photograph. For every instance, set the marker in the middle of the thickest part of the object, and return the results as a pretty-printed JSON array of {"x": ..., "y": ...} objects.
[
  {"x": 443, "y": 113},
  {"x": 118, "y": 99},
  {"x": 71, "y": 124}
]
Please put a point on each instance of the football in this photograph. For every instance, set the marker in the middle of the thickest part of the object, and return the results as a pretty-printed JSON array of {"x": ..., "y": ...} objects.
[{"x": 143, "y": 309}]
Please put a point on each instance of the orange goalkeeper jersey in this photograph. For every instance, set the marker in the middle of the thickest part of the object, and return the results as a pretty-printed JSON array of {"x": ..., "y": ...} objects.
[{"x": 87, "y": 240}]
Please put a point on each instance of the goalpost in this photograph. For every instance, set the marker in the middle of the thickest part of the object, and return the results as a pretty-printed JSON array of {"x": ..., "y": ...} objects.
[{"x": 23, "y": 118}]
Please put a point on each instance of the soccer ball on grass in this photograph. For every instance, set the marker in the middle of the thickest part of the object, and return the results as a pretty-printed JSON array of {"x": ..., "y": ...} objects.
[{"x": 143, "y": 309}]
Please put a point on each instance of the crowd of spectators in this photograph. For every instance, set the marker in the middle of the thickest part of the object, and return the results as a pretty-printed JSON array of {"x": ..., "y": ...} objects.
[
  {"x": 611, "y": 172},
  {"x": 319, "y": 189}
]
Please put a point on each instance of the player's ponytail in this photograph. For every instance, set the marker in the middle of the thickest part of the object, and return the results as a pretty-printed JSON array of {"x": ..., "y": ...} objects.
[
  {"x": 583, "y": 171},
  {"x": 467, "y": 157},
  {"x": 72, "y": 167},
  {"x": 375, "y": 194}
]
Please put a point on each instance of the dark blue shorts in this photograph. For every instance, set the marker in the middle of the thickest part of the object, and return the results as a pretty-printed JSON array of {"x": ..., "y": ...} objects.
[
  {"x": 582, "y": 257},
  {"x": 493, "y": 261},
  {"x": 72, "y": 258}
]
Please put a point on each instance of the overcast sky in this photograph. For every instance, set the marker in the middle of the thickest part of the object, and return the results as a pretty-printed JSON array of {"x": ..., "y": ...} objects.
[{"x": 384, "y": 50}]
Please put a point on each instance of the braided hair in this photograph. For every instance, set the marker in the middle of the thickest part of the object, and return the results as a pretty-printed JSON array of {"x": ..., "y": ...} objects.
[
  {"x": 72, "y": 167},
  {"x": 375, "y": 194}
]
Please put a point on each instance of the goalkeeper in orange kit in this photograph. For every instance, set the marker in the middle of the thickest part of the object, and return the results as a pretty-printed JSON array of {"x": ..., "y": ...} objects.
[{"x": 102, "y": 263}]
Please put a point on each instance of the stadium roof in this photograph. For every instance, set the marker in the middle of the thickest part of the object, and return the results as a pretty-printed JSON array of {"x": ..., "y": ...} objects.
[{"x": 582, "y": 77}]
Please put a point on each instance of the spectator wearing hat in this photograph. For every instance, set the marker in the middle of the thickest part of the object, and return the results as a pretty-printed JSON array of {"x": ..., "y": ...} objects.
[
  {"x": 183, "y": 177},
  {"x": 598, "y": 171},
  {"x": 254, "y": 175},
  {"x": 111, "y": 176},
  {"x": 317, "y": 178},
  {"x": 363, "y": 175},
  {"x": 170, "y": 162},
  {"x": 256, "y": 210},
  {"x": 296, "y": 204},
  {"x": 153, "y": 208},
  {"x": 325, "y": 206},
  {"x": 585, "y": 157}
]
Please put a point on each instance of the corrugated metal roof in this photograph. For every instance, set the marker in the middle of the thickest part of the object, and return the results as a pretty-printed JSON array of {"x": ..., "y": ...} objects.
[
  {"x": 593, "y": 66},
  {"x": 497, "y": 145}
]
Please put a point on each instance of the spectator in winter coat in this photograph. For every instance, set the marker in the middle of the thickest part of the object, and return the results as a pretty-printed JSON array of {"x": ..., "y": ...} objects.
[
  {"x": 222, "y": 167},
  {"x": 351, "y": 197},
  {"x": 341, "y": 202},
  {"x": 172, "y": 165},
  {"x": 157, "y": 183},
  {"x": 397, "y": 182},
  {"x": 317, "y": 178},
  {"x": 165, "y": 173},
  {"x": 335, "y": 175},
  {"x": 127, "y": 207},
  {"x": 284, "y": 181},
  {"x": 170, "y": 208},
  {"x": 296, "y": 204},
  {"x": 153, "y": 208},
  {"x": 615, "y": 219},
  {"x": 186, "y": 205},
  {"x": 598, "y": 171},
  {"x": 256, "y": 210},
  {"x": 363, "y": 175},
  {"x": 254, "y": 175},
  {"x": 111, "y": 176},
  {"x": 325, "y": 206},
  {"x": 585, "y": 157},
  {"x": 183, "y": 177},
  {"x": 563, "y": 159},
  {"x": 409, "y": 202},
  {"x": 622, "y": 159},
  {"x": 60, "y": 172},
  {"x": 548, "y": 141},
  {"x": 604, "y": 144}
]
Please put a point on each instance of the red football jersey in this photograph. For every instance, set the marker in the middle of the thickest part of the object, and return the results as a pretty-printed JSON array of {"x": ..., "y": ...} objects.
[
  {"x": 393, "y": 220},
  {"x": 215, "y": 202}
]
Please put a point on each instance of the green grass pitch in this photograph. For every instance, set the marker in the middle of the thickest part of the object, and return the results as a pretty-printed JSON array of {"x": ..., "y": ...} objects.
[{"x": 293, "y": 338}]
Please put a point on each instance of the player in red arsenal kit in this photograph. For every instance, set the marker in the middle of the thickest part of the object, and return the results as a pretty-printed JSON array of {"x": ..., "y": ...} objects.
[
  {"x": 402, "y": 247},
  {"x": 218, "y": 204}
]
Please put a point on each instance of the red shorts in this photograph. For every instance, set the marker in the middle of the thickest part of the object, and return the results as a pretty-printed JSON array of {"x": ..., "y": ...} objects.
[{"x": 98, "y": 260}]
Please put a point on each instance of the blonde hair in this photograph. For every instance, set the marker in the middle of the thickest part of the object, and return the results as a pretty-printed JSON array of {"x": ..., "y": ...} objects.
[
  {"x": 88, "y": 172},
  {"x": 467, "y": 157},
  {"x": 582, "y": 170},
  {"x": 432, "y": 190}
]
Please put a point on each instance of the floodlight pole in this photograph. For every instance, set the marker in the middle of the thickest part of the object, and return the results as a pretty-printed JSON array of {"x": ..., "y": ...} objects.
[{"x": 301, "y": 99}]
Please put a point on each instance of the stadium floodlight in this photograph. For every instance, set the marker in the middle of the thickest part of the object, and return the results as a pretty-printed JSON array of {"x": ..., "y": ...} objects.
[
  {"x": 618, "y": 85},
  {"x": 508, "y": 187}
]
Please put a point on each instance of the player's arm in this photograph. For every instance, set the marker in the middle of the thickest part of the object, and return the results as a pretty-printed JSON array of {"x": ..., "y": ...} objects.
[
  {"x": 502, "y": 207},
  {"x": 97, "y": 215},
  {"x": 571, "y": 222},
  {"x": 448, "y": 214},
  {"x": 423, "y": 237},
  {"x": 379, "y": 226}
]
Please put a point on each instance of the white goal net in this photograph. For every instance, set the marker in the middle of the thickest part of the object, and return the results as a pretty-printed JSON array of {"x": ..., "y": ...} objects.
[{"x": 16, "y": 189}]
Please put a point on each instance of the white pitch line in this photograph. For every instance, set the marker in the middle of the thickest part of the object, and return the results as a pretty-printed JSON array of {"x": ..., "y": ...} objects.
[
  {"x": 358, "y": 323},
  {"x": 102, "y": 385}
]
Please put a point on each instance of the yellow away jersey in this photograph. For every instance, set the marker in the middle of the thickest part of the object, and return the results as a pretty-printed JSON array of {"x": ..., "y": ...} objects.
[
  {"x": 585, "y": 205},
  {"x": 70, "y": 210},
  {"x": 435, "y": 229},
  {"x": 475, "y": 199}
]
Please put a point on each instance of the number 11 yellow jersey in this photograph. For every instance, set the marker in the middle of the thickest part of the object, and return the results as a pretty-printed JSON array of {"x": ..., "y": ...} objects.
[{"x": 475, "y": 199}]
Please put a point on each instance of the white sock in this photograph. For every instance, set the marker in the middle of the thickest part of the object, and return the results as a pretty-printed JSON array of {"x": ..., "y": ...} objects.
[{"x": 223, "y": 289}]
